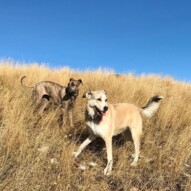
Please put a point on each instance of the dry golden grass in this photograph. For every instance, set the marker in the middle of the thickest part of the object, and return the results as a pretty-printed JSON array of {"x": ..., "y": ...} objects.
[{"x": 36, "y": 154}]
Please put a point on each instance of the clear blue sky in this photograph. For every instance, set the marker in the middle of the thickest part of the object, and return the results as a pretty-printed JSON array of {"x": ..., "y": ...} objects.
[{"x": 141, "y": 36}]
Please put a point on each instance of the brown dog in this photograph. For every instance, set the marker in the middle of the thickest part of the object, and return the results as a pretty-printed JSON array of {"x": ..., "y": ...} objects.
[{"x": 64, "y": 97}]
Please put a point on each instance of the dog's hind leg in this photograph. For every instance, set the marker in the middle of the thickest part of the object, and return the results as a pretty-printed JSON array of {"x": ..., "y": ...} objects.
[
  {"x": 84, "y": 145},
  {"x": 136, "y": 136},
  {"x": 37, "y": 99},
  {"x": 43, "y": 104}
]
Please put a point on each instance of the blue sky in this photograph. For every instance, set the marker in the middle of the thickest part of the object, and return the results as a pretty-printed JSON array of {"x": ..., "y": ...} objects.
[{"x": 140, "y": 36}]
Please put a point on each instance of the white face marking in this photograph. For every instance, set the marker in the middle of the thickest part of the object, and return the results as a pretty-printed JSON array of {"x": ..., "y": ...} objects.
[{"x": 97, "y": 99}]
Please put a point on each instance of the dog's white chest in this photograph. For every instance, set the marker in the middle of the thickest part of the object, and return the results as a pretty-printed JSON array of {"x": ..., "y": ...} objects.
[{"x": 98, "y": 129}]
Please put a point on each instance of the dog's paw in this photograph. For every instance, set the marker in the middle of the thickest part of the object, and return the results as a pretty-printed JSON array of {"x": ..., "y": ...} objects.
[
  {"x": 107, "y": 171},
  {"x": 75, "y": 154},
  {"x": 133, "y": 164}
]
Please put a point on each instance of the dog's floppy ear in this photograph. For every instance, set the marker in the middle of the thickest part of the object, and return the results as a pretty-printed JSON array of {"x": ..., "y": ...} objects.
[
  {"x": 87, "y": 94},
  {"x": 71, "y": 79},
  {"x": 80, "y": 81}
]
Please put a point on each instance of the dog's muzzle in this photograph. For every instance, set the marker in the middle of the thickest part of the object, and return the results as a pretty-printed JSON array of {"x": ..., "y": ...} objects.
[{"x": 99, "y": 112}]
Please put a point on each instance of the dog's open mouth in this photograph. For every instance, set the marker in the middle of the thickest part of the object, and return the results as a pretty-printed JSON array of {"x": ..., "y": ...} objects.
[{"x": 98, "y": 112}]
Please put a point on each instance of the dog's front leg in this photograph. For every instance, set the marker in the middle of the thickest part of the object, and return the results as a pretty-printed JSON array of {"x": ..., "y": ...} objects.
[
  {"x": 84, "y": 145},
  {"x": 108, "y": 168},
  {"x": 70, "y": 115},
  {"x": 64, "y": 112}
]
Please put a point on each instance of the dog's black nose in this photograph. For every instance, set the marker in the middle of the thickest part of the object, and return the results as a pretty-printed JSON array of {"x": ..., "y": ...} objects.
[{"x": 105, "y": 108}]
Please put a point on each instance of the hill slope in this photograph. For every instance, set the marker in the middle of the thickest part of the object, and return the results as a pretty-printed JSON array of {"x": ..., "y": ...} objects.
[{"x": 36, "y": 154}]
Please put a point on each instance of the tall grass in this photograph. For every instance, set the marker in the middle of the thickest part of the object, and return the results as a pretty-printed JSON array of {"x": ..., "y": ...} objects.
[{"x": 36, "y": 154}]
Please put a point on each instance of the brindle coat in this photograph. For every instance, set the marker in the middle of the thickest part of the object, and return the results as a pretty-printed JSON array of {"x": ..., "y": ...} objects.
[{"x": 62, "y": 96}]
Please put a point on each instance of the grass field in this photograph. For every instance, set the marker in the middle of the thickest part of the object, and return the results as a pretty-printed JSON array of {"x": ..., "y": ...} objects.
[{"x": 36, "y": 153}]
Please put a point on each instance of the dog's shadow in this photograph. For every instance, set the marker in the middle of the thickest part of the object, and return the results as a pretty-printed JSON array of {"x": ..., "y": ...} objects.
[{"x": 98, "y": 145}]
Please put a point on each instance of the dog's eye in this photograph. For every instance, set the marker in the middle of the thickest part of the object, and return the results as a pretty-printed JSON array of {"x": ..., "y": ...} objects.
[
  {"x": 106, "y": 100},
  {"x": 99, "y": 99}
]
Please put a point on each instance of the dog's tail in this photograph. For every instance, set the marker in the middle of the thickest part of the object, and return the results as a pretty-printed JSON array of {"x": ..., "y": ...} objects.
[
  {"x": 25, "y": 85},
  {"x": 152, "y": 106}
]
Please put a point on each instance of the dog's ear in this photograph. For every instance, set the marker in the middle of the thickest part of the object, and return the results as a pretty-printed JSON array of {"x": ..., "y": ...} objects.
[
  {"x": 80, "y": 81},
  {"x": 104, "y": 91},
  {"x": 87, "y": 94},
  {"x": 71, "y": 79}
]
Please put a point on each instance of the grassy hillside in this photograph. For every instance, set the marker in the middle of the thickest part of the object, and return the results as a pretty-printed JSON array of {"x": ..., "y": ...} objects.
[{"x": 36, "y": 153}]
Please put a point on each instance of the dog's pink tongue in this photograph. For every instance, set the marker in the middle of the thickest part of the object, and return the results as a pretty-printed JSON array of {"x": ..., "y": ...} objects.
[{"x": 104, "y": 113}]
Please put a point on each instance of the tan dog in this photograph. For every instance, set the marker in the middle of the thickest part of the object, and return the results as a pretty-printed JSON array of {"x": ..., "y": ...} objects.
[
  {"x": 62, "y": 96},
  {"x": 107, "y": 120}
]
